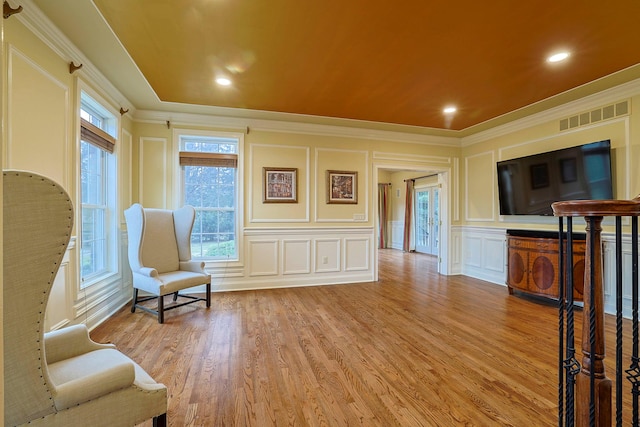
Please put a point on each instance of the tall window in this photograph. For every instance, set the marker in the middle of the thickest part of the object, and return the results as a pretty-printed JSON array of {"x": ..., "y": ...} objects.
[
  {"x": 98, "y": 186},
  {"x": 210, "y": 185}
]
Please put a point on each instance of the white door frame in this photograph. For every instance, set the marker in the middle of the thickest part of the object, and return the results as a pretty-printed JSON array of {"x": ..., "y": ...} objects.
[{"x": 444, "y": 179}]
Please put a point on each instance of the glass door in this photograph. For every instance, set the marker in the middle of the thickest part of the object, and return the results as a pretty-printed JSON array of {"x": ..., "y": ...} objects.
[{"x": 427, "y": 220}]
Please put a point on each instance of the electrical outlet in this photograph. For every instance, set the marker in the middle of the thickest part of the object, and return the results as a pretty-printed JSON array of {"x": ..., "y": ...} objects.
[
  {"x": 358, "y": 217},
  {"x": 325, "y": 260}
]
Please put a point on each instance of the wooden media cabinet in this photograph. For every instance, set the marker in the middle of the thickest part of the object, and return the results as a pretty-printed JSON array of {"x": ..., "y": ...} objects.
[{"x": 532, "y": 263}]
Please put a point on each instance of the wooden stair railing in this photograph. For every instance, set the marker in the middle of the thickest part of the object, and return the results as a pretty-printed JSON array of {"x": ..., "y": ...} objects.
[{"x": 584, "y": 391}]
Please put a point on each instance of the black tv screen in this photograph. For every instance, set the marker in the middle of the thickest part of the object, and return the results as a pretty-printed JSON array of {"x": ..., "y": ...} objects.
[{"x": 529, "y": 185}]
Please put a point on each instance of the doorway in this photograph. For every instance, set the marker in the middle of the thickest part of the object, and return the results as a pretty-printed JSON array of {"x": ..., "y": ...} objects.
[
  {"x": 440, "y": 227},
  {"x": 427, "y": 219}
]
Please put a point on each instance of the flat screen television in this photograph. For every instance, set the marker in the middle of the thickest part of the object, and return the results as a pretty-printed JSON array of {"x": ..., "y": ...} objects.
[{"x": 529, "y": 185}]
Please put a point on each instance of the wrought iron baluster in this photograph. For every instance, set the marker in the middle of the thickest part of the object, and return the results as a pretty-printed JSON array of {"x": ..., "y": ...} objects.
[
  {"x": 592, "y": 325},
  {"x": 570, "y": 363},
  {"x": 618, "y": 321},
  {"x": 561, "y": 310},
  {"x": 634, "y": 285},
  {"x": 633, "y": 373}
]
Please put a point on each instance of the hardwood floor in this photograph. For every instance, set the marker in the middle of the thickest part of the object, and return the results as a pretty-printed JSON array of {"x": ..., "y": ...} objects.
[{"x": 414, "y": 349}]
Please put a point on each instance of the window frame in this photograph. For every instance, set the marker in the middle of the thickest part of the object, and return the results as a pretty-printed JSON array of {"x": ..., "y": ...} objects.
[
  {"x": 178, "y": 133},
  {"x": 96, "y": 104}
]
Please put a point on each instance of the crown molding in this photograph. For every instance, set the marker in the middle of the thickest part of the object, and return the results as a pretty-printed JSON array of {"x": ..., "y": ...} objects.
[
  {"x": 605, "y": 97},
  {"x": 248, "y": 124}
]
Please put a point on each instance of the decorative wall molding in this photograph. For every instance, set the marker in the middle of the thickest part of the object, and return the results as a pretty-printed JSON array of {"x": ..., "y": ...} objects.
[
  {"x": 264, "y": 257},
  {"x": 484, "y": 253},
  {"x": 56, "y": 121},
  {"x": 145, "y": 166},
  {"x": 296, "y": 256},
  {"x": 327, "y": 255},
  {"x": 469, "y": 179},
  {"x": 356, "y": 254},
  {"x": 456, "y": 250},
  {"x": 363, "y": 186},
  {"x": 40, "y": 25},
  {"x": 304, "y": 183},
  {"x": 609, "y": 271},
  {"x": 293, "y": 256},
  {"x": 397, "y": 234},
  {"x": 413, "y": 158},
  {"x": 57, "y": 314}
]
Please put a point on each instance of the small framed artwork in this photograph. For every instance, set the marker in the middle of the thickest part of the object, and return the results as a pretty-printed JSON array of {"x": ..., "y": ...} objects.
[
  {"x": 342, "y": 187},
  {"x": 280, "y": 185}
]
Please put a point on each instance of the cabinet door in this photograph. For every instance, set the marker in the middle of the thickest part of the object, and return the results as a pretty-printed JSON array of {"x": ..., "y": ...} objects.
[
  {"x": 578, "y": 270},
  {"x": 517, "y": 269},
  {"x": 543, "y": 270}
]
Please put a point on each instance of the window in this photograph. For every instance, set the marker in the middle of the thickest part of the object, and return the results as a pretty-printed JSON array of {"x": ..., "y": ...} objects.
[
  {"x": 97, "y": 191},
  {"x": 209, "y": 166}
]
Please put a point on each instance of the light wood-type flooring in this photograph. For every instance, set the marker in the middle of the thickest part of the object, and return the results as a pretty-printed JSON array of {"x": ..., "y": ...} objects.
[{"x": 413, "y": 349}]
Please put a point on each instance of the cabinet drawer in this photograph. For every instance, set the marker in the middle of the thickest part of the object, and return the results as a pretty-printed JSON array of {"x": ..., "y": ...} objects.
[{"x": 546, "y": 245}]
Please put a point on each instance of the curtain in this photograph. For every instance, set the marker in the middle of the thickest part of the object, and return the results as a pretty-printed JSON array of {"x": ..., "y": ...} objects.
[
  {"x": 383, "y": 214},
  {"x": 408, "y": 244}
]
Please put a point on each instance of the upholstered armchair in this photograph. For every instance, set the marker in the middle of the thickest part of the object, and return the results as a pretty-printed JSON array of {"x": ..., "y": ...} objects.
[
  {"x": 160, "y": 258},
  {"x": 59, "y": 378}
]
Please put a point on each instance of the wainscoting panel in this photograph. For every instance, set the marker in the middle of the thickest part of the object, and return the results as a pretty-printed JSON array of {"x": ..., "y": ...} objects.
[
  {"x": 473, "y": 251},
  {"x": 484, "y": 254},
  {"x": 356, "y": 254},
  {"x": 397, "y": 234},
  {"x": 493, "y": 247},
  {"x": 327, "y": 255},
  {"x": 609, "y": 272},
  {"x": 298, "y": 256},
  {"x": 57, "y": 314},
  {"x": 264, "y": 256},
  {"x": 455, "y": 248}
]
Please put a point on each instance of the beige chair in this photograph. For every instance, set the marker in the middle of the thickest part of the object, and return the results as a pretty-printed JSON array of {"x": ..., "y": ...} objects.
[
  {"x": 59, "y": 378},
  {"x": 160, "y": 257}
]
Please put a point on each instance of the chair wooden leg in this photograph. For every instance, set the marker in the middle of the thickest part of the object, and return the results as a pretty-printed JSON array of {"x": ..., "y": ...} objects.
[
  {"x": 160, "y": 420},
  {"x": 135, "y": 300},
  {"x": 209, "y": 294},
  {"x": 160, "y": 309},
  {"x": 175, "y": 296}
]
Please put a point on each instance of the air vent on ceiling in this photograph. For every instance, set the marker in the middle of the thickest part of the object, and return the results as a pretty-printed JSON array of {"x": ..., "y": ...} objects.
[{"x": 599, "y": 114}]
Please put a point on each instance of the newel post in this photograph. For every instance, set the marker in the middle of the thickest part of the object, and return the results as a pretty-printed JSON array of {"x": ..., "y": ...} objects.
[{"x": 593, "y": 388}]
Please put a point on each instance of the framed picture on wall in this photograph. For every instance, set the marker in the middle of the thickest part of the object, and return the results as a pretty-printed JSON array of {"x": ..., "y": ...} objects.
[
  {"x": 342, "y": 187},
  {"x": 280, "y": 185}
]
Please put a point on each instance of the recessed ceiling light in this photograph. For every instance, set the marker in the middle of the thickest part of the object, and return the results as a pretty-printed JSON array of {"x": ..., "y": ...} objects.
[
  {"x": 450, "y": 110},
  {"x": 223, "y": 81},
  {"x": 557, "y": 57}
]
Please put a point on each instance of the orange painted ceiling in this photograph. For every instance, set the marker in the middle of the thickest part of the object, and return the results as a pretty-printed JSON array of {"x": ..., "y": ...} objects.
[{"x": 377, "y": 60}]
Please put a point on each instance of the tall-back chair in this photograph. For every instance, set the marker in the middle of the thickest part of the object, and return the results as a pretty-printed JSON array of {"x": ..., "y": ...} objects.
[
  {"x": 160, "y": 257},
  {"x": 59, "y": 378}
]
